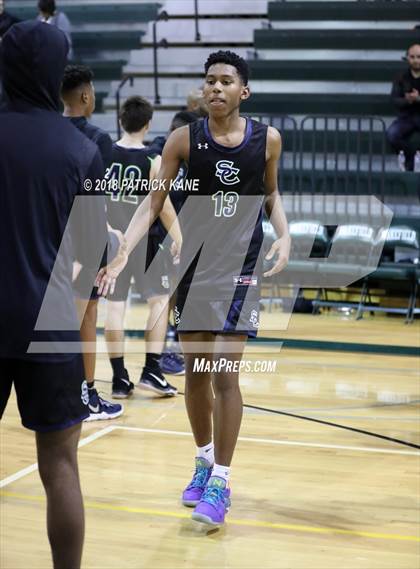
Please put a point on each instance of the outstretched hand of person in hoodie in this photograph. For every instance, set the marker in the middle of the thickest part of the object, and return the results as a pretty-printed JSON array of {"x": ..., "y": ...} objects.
[{"x": 107, "y": 276}]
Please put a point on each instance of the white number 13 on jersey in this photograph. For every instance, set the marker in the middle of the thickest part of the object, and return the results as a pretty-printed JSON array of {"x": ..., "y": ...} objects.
[{"x": 225, "y": 204}]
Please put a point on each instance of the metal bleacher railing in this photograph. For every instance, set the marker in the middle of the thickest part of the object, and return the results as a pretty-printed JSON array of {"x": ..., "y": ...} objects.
[
  {"x": 331, "y": 169},
  {"x": 331, "y": 154},
  {"x": 289, "y": 160}
]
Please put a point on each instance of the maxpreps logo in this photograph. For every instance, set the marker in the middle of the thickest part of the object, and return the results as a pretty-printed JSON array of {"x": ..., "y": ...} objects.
[{"x": 227, "y": 173}]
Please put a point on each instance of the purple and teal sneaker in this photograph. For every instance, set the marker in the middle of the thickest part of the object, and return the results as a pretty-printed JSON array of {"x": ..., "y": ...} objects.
[
  {"x": 193, "y": 492},
  {"x": 214, "y": 503}
]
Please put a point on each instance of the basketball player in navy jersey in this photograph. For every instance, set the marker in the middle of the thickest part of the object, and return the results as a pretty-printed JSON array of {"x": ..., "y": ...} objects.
[
  {"x": 252, "y": 151},
  {"x": 78, "y": 97},
  {"x": 132, "y": 161}
]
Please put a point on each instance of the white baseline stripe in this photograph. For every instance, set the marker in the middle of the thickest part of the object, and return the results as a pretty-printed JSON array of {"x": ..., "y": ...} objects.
[
  {"x": 29, "y": 469},
  {"x": 279, "y": 442},
  {"x": 18, "y": 474},
  {"x": 101, "y": 433},
  {"x": 97, "y": 435}
]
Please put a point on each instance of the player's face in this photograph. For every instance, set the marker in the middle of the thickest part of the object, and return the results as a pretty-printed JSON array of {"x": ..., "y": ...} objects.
[
  {"x": 413, "y": 57},
  {"x": 223, "y": 89}
]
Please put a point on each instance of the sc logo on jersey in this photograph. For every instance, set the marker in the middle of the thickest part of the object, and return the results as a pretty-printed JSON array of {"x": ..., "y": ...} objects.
[{"x": 227, "y": 173}]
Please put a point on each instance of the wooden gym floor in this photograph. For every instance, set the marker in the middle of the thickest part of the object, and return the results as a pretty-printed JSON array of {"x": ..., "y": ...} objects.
[{"x": 305, "y": 495}]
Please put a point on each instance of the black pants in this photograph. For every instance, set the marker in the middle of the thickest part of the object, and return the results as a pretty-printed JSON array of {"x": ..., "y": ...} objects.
[{"x": 399, "y": 134}]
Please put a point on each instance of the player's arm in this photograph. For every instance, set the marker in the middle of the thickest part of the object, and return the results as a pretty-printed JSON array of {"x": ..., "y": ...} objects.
[
  {"x": 273, "y": 204},
  {"x": 171, "y": 224},
  {"x": 168, "y": 215},
  {"x": 155, "y": 167}
]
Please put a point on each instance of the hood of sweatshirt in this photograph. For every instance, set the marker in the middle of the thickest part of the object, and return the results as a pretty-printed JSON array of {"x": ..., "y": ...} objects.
[{"x": 33, "y": 58}]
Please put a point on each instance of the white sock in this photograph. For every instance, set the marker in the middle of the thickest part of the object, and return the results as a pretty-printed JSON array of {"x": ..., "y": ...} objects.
[
  {"x": 206, "y": 452},
  {"x": 221, "y": 471}
]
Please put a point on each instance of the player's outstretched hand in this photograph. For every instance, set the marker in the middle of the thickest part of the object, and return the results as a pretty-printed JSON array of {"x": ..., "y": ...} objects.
[
  {"x": 107, "y": 276},
  {"x": 281, "y": 250}
]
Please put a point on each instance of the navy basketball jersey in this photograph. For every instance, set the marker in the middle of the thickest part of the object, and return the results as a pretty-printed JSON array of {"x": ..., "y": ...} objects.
[
  {"x": 230, "y": 217},
  {"x": 129, "y": 168}
]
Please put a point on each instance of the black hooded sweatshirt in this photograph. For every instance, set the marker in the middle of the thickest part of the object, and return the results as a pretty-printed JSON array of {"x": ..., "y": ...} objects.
[
  {"x": 44, "y": 162},
  {"x": 6, "y": 22}
]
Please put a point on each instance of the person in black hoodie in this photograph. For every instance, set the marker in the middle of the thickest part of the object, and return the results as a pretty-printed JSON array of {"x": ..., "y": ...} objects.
[
  {"x": 44, "y": 165},
  {"x": 6, "y": 20}
]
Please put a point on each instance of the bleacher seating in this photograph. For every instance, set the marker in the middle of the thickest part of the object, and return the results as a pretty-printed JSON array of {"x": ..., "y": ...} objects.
[
  {"x": 103, "y": 34},
  {"x": 351, "y": 11},
  {"x": 335, "y": 39},
  {"x": 88, "y": 13},
  {"x": 105, "y": 70},
  {"x": 324, "y": 70},
  {"x": 318, "y": 103},
  {"x": 305, "y": 44},
  {"x": 109, "y": 40},
  {"x": 288, "y": 79}
]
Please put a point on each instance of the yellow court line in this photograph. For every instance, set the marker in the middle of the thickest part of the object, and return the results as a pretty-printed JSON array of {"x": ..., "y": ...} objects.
[{"x": 247, "y": 523}]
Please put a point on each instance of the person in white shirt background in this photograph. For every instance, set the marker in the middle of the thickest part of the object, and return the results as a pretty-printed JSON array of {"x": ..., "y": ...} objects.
[{"x": 49, "y": 14}]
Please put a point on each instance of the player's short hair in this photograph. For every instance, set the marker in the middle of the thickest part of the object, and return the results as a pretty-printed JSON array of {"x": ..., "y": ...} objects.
[
  {"x": 182, "y": 118},
  {"x": 229, "y": 58},
  {"x": 74, "y": 77},
  {"x": 47, "y": 6},
  {"x": 135, "y": 113},
  {"x": 411, "y": 46}
]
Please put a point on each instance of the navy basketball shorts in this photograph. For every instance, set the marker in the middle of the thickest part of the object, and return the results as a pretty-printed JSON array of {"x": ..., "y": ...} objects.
[
  {"x": 50, "y": 396},
  {"x": 238, "y": 316},
  {"x": 154, "y": 281}
]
